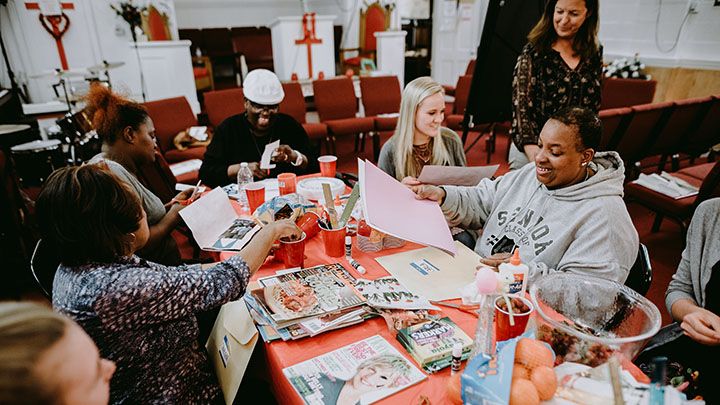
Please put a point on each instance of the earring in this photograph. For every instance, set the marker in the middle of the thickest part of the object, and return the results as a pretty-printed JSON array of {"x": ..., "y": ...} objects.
[
  {"x": 133, "y": 237},
  {"x": 583, "y": 164}
]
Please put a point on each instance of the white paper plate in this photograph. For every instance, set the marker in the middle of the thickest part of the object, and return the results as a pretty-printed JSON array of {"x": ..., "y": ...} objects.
[{"x": 311, "y": 188}]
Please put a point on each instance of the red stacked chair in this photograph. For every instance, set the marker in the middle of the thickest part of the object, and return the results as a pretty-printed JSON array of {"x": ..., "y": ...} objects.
[
  {"x": 337, "y": 107},
  {"x": 614, "y": 123},
  {"x": 627, "y": 92},
  {"x": 222, "y": 104},
  {"x": 381, "y": 95},
  {"x": 170, "y": 116},
  {"x": 462, "y": 91},
  {"x": 294, "y": 105},
  {"x": 646, "y": 122}
]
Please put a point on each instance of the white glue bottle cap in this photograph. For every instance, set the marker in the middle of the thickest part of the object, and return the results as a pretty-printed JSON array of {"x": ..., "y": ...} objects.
[{"x": 457, "y": 349}]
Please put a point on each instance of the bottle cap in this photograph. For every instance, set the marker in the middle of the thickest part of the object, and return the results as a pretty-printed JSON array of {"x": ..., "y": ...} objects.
[
  {"x": 457, "y": 349},
  {"x": 243, "y": 164},
  {"x": 348, "y": 240},
  {"x": 515, "y": 259}
]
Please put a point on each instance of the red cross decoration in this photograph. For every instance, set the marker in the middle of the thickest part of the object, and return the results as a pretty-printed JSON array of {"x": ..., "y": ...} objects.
[
  {"x": 55, "y": 25},
  {"x": 309, "y": 38}
]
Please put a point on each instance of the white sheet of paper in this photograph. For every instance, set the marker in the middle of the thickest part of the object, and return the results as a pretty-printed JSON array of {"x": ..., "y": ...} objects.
[
  {"x": 199, "y": 133},
  {"x": 209, "y": 217},
  {"x": 183, "y": 187},
  {"x": 456, "y": 175},
  {"x": 265, "y": 162},
  {"x": 447, "y": 276}
]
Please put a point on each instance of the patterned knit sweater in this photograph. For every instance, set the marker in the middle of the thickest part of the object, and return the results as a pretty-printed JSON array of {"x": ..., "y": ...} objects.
[{"x": 141, "y": 315}]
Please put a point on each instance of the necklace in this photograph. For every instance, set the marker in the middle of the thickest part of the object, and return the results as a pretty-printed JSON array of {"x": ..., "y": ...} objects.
[{"x": 257, "y": 147}]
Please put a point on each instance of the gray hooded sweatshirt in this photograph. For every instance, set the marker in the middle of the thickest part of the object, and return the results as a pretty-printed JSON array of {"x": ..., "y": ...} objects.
[{"x": 584, "y": 228}]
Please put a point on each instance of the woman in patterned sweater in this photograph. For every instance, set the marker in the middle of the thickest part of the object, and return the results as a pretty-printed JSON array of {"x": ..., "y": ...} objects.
[
  {"x": 561, "y": 66},
  {"x": 141, "y": 314}
]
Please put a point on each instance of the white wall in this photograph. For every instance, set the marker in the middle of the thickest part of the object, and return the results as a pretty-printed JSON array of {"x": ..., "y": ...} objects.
[
  {"x": 95, "y": 34},
  {"x": 628, "y": 27}
]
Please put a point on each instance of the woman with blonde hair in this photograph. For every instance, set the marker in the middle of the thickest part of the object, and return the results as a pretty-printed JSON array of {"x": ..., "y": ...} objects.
[
  {"x": 45, "y": 358},
  {"x": 419, "y": 137}
]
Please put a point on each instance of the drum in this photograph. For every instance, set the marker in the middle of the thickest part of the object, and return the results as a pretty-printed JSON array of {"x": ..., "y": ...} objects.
[
  {"x": 80, "y": 142},
  {"x": 15, "y": 134},
  {"x": 34, "y": 161}
]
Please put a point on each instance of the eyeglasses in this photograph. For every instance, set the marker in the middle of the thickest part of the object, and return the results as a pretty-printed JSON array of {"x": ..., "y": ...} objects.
[{"x": 266, "y": 108}]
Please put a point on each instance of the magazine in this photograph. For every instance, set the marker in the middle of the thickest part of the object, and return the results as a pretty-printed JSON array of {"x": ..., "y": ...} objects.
[
  {"x": 387, "y": 292},
  {"x": 236, "y": 236},
  {"x": 296, "y": 296},
  {"x": 363, "y": 372},
  {"x": 431, "y": 342}
]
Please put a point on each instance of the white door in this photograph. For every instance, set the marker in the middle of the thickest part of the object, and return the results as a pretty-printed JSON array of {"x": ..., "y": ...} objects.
[{"x": 456, "y": 35}]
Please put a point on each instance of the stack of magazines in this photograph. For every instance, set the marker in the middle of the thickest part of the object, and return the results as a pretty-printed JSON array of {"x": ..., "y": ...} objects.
[{"x": 305, "y": 302}]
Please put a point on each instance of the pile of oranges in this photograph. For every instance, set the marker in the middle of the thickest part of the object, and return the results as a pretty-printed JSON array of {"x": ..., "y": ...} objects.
[{"x": 533, "y": 378}]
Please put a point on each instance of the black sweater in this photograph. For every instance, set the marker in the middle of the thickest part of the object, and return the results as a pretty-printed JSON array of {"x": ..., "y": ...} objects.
[{"x": 234, "y": 142}]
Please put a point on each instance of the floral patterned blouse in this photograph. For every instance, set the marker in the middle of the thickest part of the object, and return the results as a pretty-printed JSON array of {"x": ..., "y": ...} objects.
[
  {"x": 141, "y": 315},
  {"x": 543, "y": 84}
]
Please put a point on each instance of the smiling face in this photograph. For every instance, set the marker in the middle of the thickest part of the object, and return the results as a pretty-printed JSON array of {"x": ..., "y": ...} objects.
[
  {"x": 568, "y": 17},
  {"x": 373, "y": 377},
  {"x": 260, "y": 116},
  {"x": 430, "y": 114},
  {"x": 558, "y": 163},
  {"x": 74, "y": 368}
]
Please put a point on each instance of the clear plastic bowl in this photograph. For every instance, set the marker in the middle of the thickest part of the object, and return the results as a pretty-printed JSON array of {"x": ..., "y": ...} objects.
[{"x": 565, "y": 303}]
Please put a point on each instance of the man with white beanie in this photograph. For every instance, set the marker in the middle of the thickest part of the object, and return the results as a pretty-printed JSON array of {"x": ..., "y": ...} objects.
[{"x": 242, "y": 137}]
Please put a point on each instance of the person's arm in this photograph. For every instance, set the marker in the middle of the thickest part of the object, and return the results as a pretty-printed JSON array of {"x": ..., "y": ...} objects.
[
  {"x": 160, "y": 294},
  {"x": 525, "y": 106},
  {"x": 386, "y": 161},
  {"x": 696, "y": 322},
  {"x": 454, "y": 146},
  {"x": 598, "y": 68}
]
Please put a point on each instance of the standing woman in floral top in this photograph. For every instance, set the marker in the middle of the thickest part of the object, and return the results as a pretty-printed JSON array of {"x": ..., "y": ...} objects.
[
  {"x": 560, "y": 66},
  {"x": 140, "y": 314}
]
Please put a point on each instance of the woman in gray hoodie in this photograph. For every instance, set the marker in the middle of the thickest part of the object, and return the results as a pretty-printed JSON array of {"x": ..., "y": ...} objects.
[{"x": 565, "y": 212}]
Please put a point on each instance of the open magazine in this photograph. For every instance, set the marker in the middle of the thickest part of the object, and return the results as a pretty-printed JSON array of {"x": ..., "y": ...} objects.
[
  {"x": 289, "y": 298},
  {"x": 363, "y": 372}
]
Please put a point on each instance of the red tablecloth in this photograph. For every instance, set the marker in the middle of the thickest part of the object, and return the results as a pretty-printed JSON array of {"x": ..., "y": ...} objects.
[{"x": 281, "y": 354}]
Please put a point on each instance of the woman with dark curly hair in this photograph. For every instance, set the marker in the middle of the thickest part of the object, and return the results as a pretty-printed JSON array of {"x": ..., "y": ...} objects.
[
  {"x": 141, "y": 314},
  {"x": 561, "y": 66},
  {"x": 128, "y": 142}
]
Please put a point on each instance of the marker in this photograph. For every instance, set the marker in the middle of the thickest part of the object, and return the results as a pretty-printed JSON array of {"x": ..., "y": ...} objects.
[{"x": 356, "y": 265}]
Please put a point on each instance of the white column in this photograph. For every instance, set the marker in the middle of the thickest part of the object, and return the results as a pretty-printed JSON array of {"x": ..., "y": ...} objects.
[
  {"x": 391, "y": 53},
  {"x": 167, "y": 69}
]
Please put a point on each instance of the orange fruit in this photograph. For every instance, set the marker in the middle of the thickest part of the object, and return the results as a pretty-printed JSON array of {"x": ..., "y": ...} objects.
[
  {"x": 454, "y": 389},
  {"x": 523, "y": 392},
  {"x": 532, "y": 353},
  {"x": 545, "y": 382},
  {"x": 519, "y": 371}
]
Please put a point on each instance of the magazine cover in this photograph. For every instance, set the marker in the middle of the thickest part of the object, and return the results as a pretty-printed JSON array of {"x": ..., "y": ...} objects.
[
  {"x": 363, "y": 372},
  {"x": 290, "y": 297},
  {"x": 431, "y": 342}
]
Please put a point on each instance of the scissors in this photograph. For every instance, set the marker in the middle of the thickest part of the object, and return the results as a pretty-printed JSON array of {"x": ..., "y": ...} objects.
[{"x": 470, "y": 309}]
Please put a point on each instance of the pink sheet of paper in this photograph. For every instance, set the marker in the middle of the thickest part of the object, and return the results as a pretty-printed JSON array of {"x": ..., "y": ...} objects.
[{"x": 390, "y": 207}]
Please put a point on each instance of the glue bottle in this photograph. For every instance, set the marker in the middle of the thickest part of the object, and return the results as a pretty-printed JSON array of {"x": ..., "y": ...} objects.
[{"x": 520, "y": 273}]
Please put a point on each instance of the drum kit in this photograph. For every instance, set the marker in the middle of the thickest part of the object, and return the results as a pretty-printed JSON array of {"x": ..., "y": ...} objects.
[{"x": 73, "y": 140}]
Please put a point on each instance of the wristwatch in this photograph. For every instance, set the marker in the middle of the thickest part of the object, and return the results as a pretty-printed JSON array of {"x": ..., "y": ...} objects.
[{"x": 299, "y": 159}]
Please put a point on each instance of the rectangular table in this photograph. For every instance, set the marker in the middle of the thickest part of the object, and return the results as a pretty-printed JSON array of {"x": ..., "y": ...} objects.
[{"x": 280, "y": 354}]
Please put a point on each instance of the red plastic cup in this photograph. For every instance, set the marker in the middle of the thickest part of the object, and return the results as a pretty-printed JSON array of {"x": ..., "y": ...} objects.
[
  {"x": 293, "y": 252},
  {"x": 255, "y": 195},
  {"x": 503, "y": 329},
  {"x": 309, "y": 224},
  {"x": 287, "y": 183},
  {"x": 327, "y": 165},
  {"x": 334, "y": 241}
]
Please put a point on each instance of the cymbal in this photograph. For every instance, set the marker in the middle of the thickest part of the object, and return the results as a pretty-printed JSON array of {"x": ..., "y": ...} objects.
[
  {"x": 105, "y": 66},
  {"x": 59, "y": 73},
  {"x": 74, "y": 98}
]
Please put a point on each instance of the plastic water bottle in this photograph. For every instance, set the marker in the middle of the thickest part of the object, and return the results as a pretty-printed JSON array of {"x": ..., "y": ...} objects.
[{"x": 244, "y": 177}]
